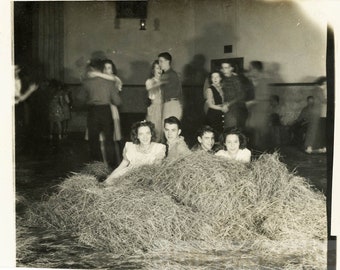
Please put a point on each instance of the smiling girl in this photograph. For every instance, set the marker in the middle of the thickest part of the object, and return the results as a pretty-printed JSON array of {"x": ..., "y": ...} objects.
[
  {"x": 142, "y": 150},
  {"x": 235, "y": 146}
]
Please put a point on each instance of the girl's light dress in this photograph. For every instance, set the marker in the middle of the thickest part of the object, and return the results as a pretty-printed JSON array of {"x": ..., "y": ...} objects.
[
  {"x": 154, "y": 111},
  {"x": 243, "y": 155},
  {"x": 137, "y": 158}
]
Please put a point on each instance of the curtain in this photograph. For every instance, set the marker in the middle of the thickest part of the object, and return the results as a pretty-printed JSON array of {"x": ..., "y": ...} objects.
[{"x": 48, "y": 41}]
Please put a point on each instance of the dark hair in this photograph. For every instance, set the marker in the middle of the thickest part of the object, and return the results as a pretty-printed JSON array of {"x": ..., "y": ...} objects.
[
  {"x": 275, "y": 98},
  {"x": 96, "y": 64},
  {"x": 109, "y": 61},
  {"x": 173, "y": 120},
  {"x": 137, "y": 125},
  {"x": 321, "y": 80},
  {"x": 258, "y": 65},
  {"x": 226, "y": 61},
  {"x": 154, "y": 63},
  {"x": 234, "y": 131},
  {"x": 166, "y": 56},
  {"x": 211, "y": 73},
  {"x": 200, "y": 132},
  {"x": 310, "y": 97}
]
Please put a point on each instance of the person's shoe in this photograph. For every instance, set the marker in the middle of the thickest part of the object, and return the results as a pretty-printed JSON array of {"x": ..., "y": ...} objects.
[
  {"x": 309, "y": 150},
  {"x": 322, "y": 150}
]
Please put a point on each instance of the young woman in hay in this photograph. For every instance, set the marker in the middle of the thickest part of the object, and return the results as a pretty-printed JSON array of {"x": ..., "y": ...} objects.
[
  {"x": 142, "y": 150},
  {"x": 235, "y": 146}
]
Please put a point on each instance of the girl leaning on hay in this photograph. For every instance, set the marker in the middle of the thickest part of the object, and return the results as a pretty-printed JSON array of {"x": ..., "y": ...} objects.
[
  {"x": 142, "y": 150},
  {"x": 235, "y": 144}
]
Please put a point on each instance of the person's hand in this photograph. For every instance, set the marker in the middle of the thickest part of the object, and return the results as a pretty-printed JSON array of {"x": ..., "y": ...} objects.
[
  {"x": 109, "y": 181},
  {"x": 119, "y": 83},
  {"x": 225, "y": 108},
  {"x": 33, "y": 87}
]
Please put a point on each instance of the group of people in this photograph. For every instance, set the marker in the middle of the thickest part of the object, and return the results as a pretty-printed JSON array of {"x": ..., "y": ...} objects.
[
  {"x": 102, "y": 87},
  {"x": 144, "y": 150},
  {"x": 226, "y": 94}
]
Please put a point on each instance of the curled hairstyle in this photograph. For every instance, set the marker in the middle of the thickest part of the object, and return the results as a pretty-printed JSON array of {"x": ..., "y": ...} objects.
[
  {"x": 205, "y": 129},
  {"x": 258, "y": 65},
  {"x": 137, "y": 125},
  {"x": 210, "y": 76},
  {"x": 173, "y": 120},
  {"x": 234, "y": 131},
  {"x": 154, "y": 63}
]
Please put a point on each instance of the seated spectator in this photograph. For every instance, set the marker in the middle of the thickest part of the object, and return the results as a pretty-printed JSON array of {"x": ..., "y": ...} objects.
[
  {"x": 142, "y": 150},
  {"x": 234, "y": 146},
  {"x": 206, "y": 140},
  {"x": 177, "y": 147}
]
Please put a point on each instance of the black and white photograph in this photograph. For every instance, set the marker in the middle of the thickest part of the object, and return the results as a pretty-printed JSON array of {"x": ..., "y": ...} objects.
[{"x": 170, "y": 134}]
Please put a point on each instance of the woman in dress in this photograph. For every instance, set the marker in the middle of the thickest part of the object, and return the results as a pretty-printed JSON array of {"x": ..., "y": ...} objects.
[
  {"x": 142, "y": 150},
  {"x": 154, "y": 112},
  {"x": 215, "y": 102}
]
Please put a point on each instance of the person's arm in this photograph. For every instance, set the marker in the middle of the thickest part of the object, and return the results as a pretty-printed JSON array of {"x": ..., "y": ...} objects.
[
  {"x": 211, "y": 101},
  {"x": 110, "y": 77},
  {"x": 160, "y": 155},
  {"x": 115, "y": 98},
  {"x": 152, "y": 87},
  {"x": 245, "y": 155},
  {"x": 205, "y": 88},
  {"x": 183, "y": 149},
  {"x": 33, "y": 87},
  {"x": 239, "y": 93},
  {"x": 67, "y": 99},
  {"x": 117, "y": 172}
]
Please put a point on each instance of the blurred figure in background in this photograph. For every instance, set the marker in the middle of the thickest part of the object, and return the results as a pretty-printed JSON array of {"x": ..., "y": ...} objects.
[
  {"x": 66, "y": 107},
  {"x": 99, "y": 95},
  {"x": 108, "y": 71},
  {"x": 260, "y": 106},
  {"x": 56, "y": 111},
  {"x": 274, "y": 122},
  {"x": 305, "y": 127},
  {"x": 25, "y": 86}
]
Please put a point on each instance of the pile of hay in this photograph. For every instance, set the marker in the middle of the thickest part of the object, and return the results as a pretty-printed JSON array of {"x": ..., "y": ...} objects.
[{"x": 197, "y": 203}]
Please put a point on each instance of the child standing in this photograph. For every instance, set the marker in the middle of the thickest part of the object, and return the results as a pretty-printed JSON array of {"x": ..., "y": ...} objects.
[{"x": 235, "y": 146}]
